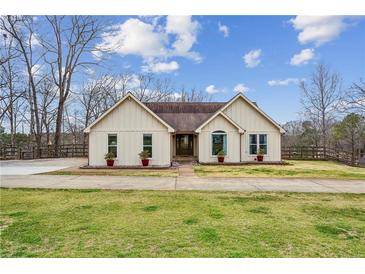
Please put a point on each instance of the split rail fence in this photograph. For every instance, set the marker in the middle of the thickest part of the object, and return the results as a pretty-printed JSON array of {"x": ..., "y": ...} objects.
[
  {"x": 319, "y": 153},
  {"x": 65, "y": 151}
]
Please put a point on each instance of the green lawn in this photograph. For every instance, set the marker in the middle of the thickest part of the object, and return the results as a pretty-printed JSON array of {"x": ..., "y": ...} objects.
[
  {"x": 168, "y": 172},
  {"x": 91, "y": 223},
  {"x": 293, "y": 169}
]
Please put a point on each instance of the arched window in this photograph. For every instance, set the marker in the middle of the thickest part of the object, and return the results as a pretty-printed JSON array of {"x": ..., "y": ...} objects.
[{"x": 219, "y": 142}]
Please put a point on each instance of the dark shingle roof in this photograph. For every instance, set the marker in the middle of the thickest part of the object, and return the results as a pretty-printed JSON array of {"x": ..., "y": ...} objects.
[{"x": 183, "y": 116}]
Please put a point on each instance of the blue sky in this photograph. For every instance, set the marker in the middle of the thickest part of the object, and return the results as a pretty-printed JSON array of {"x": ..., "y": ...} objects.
[{"x": 207, "y": 52}]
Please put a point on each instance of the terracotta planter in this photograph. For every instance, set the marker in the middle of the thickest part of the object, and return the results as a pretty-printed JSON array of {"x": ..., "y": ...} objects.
[
  {"x": 145, "y": 162},
  {"x": 260, "y": 158},
  {"x": 220, "y": 159},
  {"x": 110, "y": 162}
]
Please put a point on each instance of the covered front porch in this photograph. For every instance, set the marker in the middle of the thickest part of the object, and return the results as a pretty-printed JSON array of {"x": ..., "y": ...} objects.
[{"x": 184, "y": 146}]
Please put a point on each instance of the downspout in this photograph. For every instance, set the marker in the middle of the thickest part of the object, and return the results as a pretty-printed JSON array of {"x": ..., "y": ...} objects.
[
  {"x": 241, "y": 147},
  {"x": 88, "y": 149}
]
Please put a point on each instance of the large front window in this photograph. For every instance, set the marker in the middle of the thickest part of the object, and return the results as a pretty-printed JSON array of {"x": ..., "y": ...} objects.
[
  {"x": 113, "y": 144},
  {"x": 219, "y": 142},
  {"x": 258, "y": 144},
  {"x": 147, "y": 144}
]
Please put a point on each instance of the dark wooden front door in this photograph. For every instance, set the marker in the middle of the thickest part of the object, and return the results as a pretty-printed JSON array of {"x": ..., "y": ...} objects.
[{"x": 184, "y": 144}]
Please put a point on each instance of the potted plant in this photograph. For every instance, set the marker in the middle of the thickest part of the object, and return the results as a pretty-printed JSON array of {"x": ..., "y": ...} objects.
[
  {"x": 260, "y": 155},
  {"x": 220, "y": 156},
  {"x": 109, "y": 157},
  {"x": 144, "y": 155}
]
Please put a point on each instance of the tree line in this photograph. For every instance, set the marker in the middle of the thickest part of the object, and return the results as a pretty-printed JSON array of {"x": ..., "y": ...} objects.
[
  {"x": 42, "y": 100},
  {"x": 331, "y": 116}
]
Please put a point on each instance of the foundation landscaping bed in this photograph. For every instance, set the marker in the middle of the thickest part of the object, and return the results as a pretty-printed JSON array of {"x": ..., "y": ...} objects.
[
  {"x": 289, "y": 169},
  {"x": 97, "y": 223}
]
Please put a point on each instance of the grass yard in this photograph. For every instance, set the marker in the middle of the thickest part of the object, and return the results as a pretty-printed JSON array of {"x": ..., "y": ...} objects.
[
  {"x": 294, "y": 169},
  {"x": 168, "y": 172},
  {"x": 92, "y": 223}
]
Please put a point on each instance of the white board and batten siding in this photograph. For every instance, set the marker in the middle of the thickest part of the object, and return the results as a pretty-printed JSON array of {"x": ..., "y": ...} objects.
[
  {"x": 255, "y": 123},
  {"x": 205, "y": 141},
  {"x": 129, "y": 121},
  {"x": 249, "y": 119}
]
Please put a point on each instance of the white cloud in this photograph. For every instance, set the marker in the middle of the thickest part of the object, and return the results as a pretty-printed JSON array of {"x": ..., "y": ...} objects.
[
  {"x": 153, "y": 40},
  {"x": 90, "y": 71},
  {"x": 211, "y": 89},
  {"x": 177, "y": 95},
  {"x": 252, "y": 58},
  {"x": 133, "y": 81},
  {"x": 318, "y": 29},
  {"x": 135, "y": 37},
  {"x": 223, "y": 29},
  {"x": 302, "y": 57},
  {"x": 161, "y": 67},
  {"x": 35, "y": 41},
  {"x": 36, "y": 70},
  {"x": 186, "y": 31},
  {"x": 241, "y": 88},
  {"x": 284, "y": 82}
]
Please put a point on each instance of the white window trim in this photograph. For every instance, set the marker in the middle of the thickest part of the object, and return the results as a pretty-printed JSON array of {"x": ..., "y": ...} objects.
[
  {"x": 211, "y": 142},
  {"x": 258, "y": 143},
  {"x": 148, "y": 145},
  {"x": 107, "y": 143}
]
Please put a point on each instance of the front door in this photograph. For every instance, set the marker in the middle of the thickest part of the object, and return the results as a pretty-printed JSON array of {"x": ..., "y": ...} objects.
[{"x": 184, "y": 144}]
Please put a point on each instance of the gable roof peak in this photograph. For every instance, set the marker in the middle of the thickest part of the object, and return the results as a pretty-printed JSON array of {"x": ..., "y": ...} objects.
[{"x": 128, "y": 95}]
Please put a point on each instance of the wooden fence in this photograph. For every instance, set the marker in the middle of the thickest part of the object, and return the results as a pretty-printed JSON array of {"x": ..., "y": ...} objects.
[
  {"x": 319, "y": 153},
  {"x": 81, "y": 150},
  {"x": 65, "y": 151}
]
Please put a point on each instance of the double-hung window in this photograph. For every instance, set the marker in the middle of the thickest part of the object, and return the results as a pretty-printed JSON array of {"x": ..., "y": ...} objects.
[
  {"x": 113, "y": 144},
  {"x": 147, "y": 144},
  {"x": 258, "y": 143},
  {"x": 219, "y": 142}
]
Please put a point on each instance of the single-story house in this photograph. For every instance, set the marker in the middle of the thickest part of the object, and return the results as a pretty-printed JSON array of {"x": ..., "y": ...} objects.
[{"x": 171, "y": 130}]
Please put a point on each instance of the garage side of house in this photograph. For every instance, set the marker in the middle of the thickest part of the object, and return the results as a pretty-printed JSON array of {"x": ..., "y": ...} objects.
[{"x": 126, "y": 130}]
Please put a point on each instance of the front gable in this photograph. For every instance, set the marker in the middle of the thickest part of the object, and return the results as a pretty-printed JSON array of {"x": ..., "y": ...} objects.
[
  {"x": 249, "y": 117},
  {"x": 219, "y": 122},
  {"x": 129, "y": 115}
]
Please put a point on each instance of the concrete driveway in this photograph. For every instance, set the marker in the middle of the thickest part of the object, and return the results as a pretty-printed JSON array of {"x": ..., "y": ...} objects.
[
  {"x": 183, "y": 183},
  {"x": 28, "y": 167}
]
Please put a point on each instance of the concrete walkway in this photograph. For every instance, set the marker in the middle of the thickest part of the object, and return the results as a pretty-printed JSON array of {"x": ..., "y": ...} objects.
[
  {"x": 182, "y": 183},
  {"x": 186, "y": 170}
]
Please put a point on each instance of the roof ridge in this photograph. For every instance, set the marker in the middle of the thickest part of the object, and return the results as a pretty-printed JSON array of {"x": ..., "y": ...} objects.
[{"x": 184, "y": 102}]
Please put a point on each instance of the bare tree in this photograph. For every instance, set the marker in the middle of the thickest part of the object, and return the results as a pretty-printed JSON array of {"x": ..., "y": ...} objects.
[
  {"x": 355, "y": 98},
  {"x": 321, "y": 97},
  {"x": 6, "y": 56},
  {"x": 72, "y": 37},
  {"x": 95, "y": 97},
  {"x": 47, "y": 98},
  {"x": 192, "y": 95},
  {"x": 21, "y": 30},
  {"x": 73, "y": 125}
]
